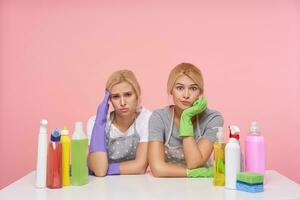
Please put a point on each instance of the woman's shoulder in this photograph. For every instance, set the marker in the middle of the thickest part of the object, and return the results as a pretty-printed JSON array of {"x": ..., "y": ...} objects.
[
  {"x": 161, "y": 115},
  {"x": 210, "y": 113},
  {"x": 162, "y": 111}
]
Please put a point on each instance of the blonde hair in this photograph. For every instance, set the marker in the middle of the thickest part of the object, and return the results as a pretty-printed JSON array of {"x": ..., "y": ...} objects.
[
  {"x": 189, "y": 70},
  {"x": 124, "y": 76}
]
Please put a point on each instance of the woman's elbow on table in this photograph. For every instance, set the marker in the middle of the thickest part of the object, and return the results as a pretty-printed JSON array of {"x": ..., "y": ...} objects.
[
  {"x": 100, "y": 173},
  {"x": 156, "y": 169}
]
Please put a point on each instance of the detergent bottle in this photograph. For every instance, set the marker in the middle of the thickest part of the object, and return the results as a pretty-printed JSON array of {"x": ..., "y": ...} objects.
[
  {"x": 79, "y": 156},
  {"x": 66, "y": 143},
  {"x": 54, "y": 161},
  {"x": 232, "y": 158},
  {"x": 41, "y": 163},
  {"x": 219, "y": 159},
  {"x": 255, "y": 150}
]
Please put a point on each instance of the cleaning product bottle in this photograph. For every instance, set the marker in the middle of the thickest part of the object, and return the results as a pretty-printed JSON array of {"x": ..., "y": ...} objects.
[
  {"x": 54, "y": 161},
  {"x": 255, "y": 150},
  {"x": 219, "y": 159},
  {"x": 41, "y": 163},
  {"x": 79, "y": 156},
  {"x": 65, "y": 142},
  {"x": 232, "y": 158}
]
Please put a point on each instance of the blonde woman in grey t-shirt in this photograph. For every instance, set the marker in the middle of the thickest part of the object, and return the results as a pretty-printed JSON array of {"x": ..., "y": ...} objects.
[{"x": 181, "y": 136}]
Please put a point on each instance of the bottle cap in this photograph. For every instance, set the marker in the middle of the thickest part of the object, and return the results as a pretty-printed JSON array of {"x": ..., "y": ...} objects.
[
  {"x": 55, "y": 135},
  {"x": 78, "y": 133},
  {"x": 78, "y": 126},
  {"x": 234, "y": 132},
  {"x": 254, "y": 128},
  {"x": 65, "y": 131},
  {"x": 43, "y": 122}
]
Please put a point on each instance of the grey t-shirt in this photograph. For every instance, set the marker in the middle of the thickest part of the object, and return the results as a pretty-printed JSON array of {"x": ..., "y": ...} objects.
[{"x": 160, "y": 124}]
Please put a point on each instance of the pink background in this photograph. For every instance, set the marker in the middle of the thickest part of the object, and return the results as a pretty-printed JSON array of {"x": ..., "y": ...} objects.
[{"x": 56, "y": 56}]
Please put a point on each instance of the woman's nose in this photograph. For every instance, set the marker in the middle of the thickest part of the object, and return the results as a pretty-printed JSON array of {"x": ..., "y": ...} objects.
[
  {"x": 186, "y": 94},
  {"x": 122, "y": 101}
]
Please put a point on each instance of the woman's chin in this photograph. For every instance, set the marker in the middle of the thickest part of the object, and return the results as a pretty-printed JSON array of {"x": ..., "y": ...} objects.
[{"x": 182, "y": 107}]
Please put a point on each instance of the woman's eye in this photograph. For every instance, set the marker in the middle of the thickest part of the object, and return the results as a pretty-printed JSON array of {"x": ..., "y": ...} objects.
[
  {"x": 115, "y": 97},
  {"x": 127, "y": 94},
  {"x": 179, "y": 88},
  {"x": 194, "y": 88}
]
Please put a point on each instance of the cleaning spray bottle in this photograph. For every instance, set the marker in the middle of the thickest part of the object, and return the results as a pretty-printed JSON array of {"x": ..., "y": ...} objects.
[
  {"x": 41, "y": 163},
  {"x": 54, "y": 161},
  {"x": 219, "y": 159},
  {"x": 255, "y": 150},
  {"x": 79, "y": 156},
  {"x": 232, "y": 158},
  {"x": 65, "y": 142}
]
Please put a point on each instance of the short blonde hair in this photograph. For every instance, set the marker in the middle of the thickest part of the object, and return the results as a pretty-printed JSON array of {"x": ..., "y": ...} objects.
[
  {"x": 124, "y": 76},
  {"x": 189, "y": 70}
]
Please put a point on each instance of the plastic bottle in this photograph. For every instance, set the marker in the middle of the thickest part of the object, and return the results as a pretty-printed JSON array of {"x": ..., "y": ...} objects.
[
  {"x": 65, "y": 142},
  {"x": 219, "y": 159},
  {"x": 255, "y": 150},
  {"x": 232, "y": 158},
  {"x": 41, "y": 162},
  {"x": 54, "y": 161},
  {"x": 79, "y": 156}
]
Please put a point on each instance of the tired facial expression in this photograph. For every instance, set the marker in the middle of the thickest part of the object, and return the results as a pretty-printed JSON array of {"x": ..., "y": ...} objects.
[{"x": 123, "y": 99}]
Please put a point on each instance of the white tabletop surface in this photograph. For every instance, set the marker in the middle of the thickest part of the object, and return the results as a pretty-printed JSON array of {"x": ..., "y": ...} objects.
[{"x": 146, "y": 187}]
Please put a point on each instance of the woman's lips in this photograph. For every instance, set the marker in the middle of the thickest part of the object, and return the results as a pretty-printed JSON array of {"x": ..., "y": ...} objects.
[
  {"x": 185, "y": 103},
  {"x": 123, "y": 110}
]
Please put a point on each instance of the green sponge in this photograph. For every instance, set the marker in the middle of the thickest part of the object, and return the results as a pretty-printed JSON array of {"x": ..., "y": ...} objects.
[{"x": 250, "y": 178}]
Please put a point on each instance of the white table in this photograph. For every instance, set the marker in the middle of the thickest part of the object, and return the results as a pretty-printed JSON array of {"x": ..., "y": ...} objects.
[{"x": 148, "y": 187}]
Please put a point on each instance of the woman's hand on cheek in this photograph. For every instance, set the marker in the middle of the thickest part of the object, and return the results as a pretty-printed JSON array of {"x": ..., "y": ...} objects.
[{"x": 186, "y": 125}]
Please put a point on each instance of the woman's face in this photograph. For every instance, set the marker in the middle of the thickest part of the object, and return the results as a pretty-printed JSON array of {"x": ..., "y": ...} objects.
[
  {"x": 185, "y": 92},
  {"x": 123, "y": 99}
]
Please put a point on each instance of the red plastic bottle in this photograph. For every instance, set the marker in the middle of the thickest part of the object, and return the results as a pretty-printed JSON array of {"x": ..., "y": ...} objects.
[{"x": 54, "y": 179}]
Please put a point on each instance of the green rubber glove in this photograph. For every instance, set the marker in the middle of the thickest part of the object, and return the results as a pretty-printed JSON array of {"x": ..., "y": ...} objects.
[
  {"x": 186, "y": 125},
  {"x": 200, "y": 172}
]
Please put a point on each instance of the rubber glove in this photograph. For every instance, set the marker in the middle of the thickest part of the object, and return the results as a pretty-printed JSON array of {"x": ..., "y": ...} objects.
[
  {"x": 186, "y": 126},
  {"x": 113, "y": 169},
  {"x": 200, "y": 172},
  {"x": 98, "y": 142}
]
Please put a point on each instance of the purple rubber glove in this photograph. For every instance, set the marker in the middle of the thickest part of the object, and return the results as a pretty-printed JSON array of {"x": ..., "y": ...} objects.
[
  {"x": 98, "y": 142},
  {"x": 113, "y": 169}
]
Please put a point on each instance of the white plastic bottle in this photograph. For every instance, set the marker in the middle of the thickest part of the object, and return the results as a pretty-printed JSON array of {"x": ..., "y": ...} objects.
[
  {"x": 41, "y": 163},
  {"x": 232, "y": 158}
]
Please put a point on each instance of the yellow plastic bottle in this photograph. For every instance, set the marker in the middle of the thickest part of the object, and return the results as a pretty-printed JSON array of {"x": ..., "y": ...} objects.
[
  {"x": 66, "y": 142},
  {"x": 219, "y": 159}
]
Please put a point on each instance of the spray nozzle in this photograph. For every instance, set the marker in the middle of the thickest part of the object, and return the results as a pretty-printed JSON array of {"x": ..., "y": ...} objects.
[{"x": 234, "y": 132}]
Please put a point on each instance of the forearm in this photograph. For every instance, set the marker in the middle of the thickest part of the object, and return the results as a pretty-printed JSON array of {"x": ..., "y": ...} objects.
[
  {"x": 192, "y": 154},
  {"x": 98, "y": 163},
  {"x": 159, "y": 167},
  {"x": 133, "y": 167},
  {"x": 165, "y": 169}
]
